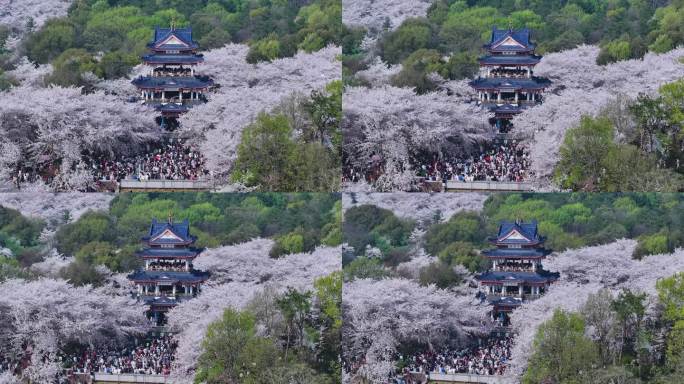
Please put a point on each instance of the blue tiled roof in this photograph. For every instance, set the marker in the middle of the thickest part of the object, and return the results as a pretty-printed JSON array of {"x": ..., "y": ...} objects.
[
  {"x": 183, "y": 34},
  {"x": 181, "y": 230},
  {"x": 517, "y": 84},
  {"x": 171, "y": 82},
  {"x": 171, "y": 276},
  {"x": 522, "y": 36},
  {"x": 512, "y": 253},
  {"x": 510, "y": 59},
  {"x": 156, "y": 58},
  {"x": 519, "y": 277}
]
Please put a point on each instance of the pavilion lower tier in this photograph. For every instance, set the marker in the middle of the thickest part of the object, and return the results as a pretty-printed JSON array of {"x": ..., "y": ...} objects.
[
  {"x": 190, "y": 97},
  {"x": 500, "y": 97},
  {"x": 164, "y": 289},
  {"x": 521, "y": 291}
]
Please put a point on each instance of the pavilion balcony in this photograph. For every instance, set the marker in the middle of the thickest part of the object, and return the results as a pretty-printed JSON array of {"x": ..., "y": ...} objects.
[
  {"x": 184, "y": 102},
  {"x": 180, "y": 296},
  {"x": 524, "y": 297}
]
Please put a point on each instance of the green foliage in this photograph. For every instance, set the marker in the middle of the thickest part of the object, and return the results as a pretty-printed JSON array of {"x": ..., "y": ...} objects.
[
  {"x": 298, "y": 222},
  {"x": 70, "y": 66},
  {"x": 91, "y": 227},
  {"x": 81, "y": 272},
  {"x": 298, "y": 339},
  {"x": 591, "y": 160},
  {"x": 121, "y": 28},
  {"x": 583, "y": 151},
  {"x": 266, "y": 49},
  {"x": 412, "y": 35},
  {"x": 289, "y": 243},
  {"x": 276, "y": 154},
  {"x": 364, "y": 268},
  {"x": 463, "y": 253},
  {"x": 55, "y": 37},
  {"x": 370, "y": 226},
  {"x": 461, "y": 227},
  {"x": 439, "y": 274},
  {"x": 624, "y": 29},
  {"x": 416, "y": 69},
  {"x": 652, "y": 245},
  {"x": 233, "y": 352},
  {"x": 17, "y": 231},
  {"x": 332, "y": 232},
  {"x": 561, "y": 351}
]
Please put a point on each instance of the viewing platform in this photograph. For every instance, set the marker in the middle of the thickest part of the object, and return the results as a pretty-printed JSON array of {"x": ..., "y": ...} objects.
[
  {"x": 112, "y": 378},
  {"x": 480, "y": 186},
  {"x": 164, "y": 185},
  {"x": 130, "y": 378},
  {"x": 465, "y": 378}
]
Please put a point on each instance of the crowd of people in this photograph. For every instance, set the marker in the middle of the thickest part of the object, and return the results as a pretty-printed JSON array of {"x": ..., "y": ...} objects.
[
  {"x": 515, "y": 266},
  {"x": 172, "y": 71},
  {"x": 508, "y": 160},
  {"x": 171, "y": 160},
  {"x": 490, "y": 358},
  {"x": 151, "y": 357},
  {"x": 167, "y": 266}
]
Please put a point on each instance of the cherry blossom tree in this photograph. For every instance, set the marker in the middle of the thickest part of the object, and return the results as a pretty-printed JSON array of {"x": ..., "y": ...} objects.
[
  {"x": 17, "y": 14},
  {"x": 379, "y": 315},
  {"x": 375, "y": 14},
  {"x": 581, "y": 87},
  {"x": 56, "y": 124},
  {"x": 40, "y": 316},
  {"x": 245, "y": 91},
  {"x": 583, "y": 272},
  {"x": 238, "y": 273},
  {"x": 392, "y": 123},
  {"x": 418, "y": 206},
  {"x": 53, "y": 207}
]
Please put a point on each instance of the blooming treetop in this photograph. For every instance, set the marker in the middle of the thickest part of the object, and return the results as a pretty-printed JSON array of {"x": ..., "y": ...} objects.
[
  {"x": 392, "y": 122},
  {"x": 51, "y": 207},
  {"x": 238, "y": 272},
  {"x": 581, "y": 87},
  {"x": 371, "y": 14},
  {"x": 17, "y": 13},
  {"x": 583, "y": 272},
  {"x": 46, "y": 313},
  {"x": 46, "y": 124},
  {"x": 379, "y": 315},
  {"x": 418, "y": 206},
  {"x": 245, "y": 91}
]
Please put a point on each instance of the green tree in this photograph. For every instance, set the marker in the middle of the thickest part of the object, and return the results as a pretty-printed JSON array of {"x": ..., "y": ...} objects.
[
  {"x": 582, "y": 153},
  {"x": 71, "y": 66},
  {"x": 263, "y": 152},
  {"x": 91, "y": 226},
  {"x": 294, "y": 306},
  {"x": 561, "y": 351},
  {"x": 413, "y": 34},
  {"x": 232, "y": 352},
  {"x": 56, "y": 36},
  {"x": 439, "y": 274},
  {"x": 417, "y": 68},
  {"x": 364, "y": 268}
]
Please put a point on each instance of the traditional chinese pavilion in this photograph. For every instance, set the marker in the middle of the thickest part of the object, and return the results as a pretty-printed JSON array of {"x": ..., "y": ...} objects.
[
  {"x": 172, "y": 86},
  {"x": 168, "y": 277},
  {"x": 517, "y": 274},
  {"x": 506, "y": 84}
]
